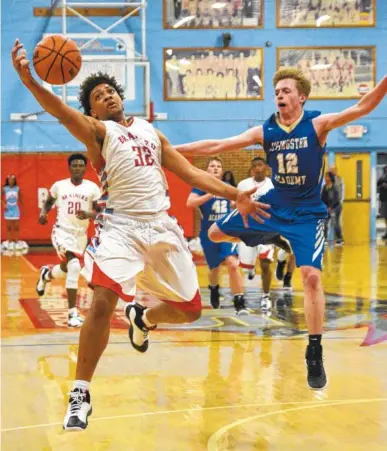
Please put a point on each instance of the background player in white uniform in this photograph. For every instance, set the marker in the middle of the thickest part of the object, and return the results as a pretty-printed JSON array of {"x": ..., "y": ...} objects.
[
  {"x": 72, "y": 197},
  {"x": 139, "y": 244},
  {"x": 265, "y": 252}
]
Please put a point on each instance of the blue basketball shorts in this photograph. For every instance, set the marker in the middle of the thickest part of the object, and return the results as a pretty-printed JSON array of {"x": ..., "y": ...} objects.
[
  {"x": 302, "y": 227},
  {"x": 216, "y": 253}
]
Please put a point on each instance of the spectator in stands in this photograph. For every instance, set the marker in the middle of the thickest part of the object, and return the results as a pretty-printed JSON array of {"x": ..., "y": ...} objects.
[
  {"x": 331, "y": 197},
  {"x": 382, "y": 188},
  {"x": 228, "y": 177}
]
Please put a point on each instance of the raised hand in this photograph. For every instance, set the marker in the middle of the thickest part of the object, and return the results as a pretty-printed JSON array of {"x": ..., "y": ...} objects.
[
  {"x": 20, "y": 61},
  {"x": 248, "y": 207}
]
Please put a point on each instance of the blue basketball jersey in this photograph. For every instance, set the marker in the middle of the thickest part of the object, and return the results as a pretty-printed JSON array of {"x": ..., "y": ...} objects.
[
  {"x": 296, "y": 159},
  {"x": 11, "y": 194},
  {"x": 212, "y": 210}
]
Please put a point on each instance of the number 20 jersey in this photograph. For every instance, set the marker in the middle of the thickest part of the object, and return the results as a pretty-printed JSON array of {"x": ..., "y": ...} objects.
[
  {"x": 296, "y": 159},
  {"x": 70, "y": 199},
  {"x": 133, "y": 181}
]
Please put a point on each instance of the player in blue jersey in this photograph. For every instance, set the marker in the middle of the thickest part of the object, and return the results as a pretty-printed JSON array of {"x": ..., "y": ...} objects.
[
  {"x": 294, "y": 142},
  {"x": 213, "y": 208}
]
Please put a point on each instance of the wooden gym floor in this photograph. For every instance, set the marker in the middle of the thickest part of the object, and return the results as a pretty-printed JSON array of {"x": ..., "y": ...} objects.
[{"x": 223, "y": 383}]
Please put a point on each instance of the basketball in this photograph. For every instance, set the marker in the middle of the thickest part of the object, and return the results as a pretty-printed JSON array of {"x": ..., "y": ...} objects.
[{"x": 57, "y": 59}]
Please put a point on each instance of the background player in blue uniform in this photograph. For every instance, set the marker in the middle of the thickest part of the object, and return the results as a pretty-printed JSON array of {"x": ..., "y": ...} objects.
[
  {"x": 212, "y": 208},
  {"x": 294, "y": 141},
  {"x": 11, "y": 201}
]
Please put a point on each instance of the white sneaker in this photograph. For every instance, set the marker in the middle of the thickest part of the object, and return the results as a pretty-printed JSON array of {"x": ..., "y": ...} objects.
[
  {"x": 41, "y": 284},
  {"x": 265, "y": 302},
  {"x": 11, "y": 245},
  {"x": 19, "y": 245},
  {"x": 4, "y": 245},
  {"x": 75, "y": 320},
  {"x": 78, "y": 410}
]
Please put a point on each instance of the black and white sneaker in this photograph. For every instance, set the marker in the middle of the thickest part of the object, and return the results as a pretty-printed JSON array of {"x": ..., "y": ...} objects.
[
  {"x": 239, "y": 304},
  {"x": 280, "y": 269},
  {"x": 138, "y": 331},
  {"x": 78, "y": 410},
  {"x": 214, "y": 296},
  {"x": 317, "y": 378},
  {"x": 42, "y": 281},
  {"x": 265, "y": 302},
  {"x": 288, "y": 282}
]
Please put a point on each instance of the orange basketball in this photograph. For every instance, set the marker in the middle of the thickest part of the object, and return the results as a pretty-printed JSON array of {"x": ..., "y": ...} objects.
[{"x": 57, "y": 59}]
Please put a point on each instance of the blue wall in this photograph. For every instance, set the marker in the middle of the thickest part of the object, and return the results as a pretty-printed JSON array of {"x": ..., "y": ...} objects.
[{"x": 187, "y": 121}]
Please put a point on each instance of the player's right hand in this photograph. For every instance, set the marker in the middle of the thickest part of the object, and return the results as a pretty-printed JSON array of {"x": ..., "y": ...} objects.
[
  {"x": 42, "y": 219},
  {"x": 20, "y": 61}
]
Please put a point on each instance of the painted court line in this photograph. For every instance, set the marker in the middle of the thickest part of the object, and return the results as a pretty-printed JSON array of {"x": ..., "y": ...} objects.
[
  {"x": 212, "y": 444},
  {"x": 305, "y": 405}
]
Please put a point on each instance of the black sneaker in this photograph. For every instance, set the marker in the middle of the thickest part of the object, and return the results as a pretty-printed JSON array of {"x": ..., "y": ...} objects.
[
  {"x": 239, "y": 304},
  {"x": 214, "y": 296},
  {"x": 41, "y": 284},
  {"x": 280, "y": 269},
  {"x": 288, "y": 282},
  {"x": 78, "y": 410},
  {"x": 138, "y": 331},
  {"x": 317, "y": 378}
]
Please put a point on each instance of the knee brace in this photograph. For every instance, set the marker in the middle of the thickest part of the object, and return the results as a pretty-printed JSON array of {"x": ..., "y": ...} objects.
[
  {"x": 73, "y": 270},
  {"x": 282, "y": 255},
  {"x": 57, "y": 272}
]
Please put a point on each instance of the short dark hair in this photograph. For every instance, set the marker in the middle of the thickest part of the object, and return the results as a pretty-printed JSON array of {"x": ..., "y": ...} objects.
[
  {"x": 256, "y": 159},
  {"x": 90, "y": 83},
  {"x": 76, "y": 156}
]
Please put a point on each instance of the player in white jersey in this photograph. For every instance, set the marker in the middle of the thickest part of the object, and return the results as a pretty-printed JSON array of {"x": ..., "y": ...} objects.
[
  {"x": 74, "y": 199},
  {"x": 140, "y": 245},
  {"x": 264, "y": 252}
]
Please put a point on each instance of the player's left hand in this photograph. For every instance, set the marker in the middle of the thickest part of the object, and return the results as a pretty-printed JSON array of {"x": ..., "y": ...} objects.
[
  {"x": 248, "y": 207},
  {"x": 83, "y": 214}
]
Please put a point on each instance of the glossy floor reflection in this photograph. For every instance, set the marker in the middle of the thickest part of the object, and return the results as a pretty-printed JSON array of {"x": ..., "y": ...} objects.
[{"x": 223, "y": 383}]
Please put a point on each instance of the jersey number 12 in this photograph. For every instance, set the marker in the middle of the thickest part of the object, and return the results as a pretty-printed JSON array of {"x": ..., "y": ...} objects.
[{"x": 291, "y": 163}]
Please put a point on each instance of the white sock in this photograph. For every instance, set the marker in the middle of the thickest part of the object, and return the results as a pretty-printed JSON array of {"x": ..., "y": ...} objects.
[
  {"x": 146, "y": 321},
  {"x": 73, "y": 310},
  {"x": 82, "y": 385}
]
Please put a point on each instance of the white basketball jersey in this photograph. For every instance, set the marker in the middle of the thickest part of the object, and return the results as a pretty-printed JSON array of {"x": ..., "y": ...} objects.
[
  {"x": 70, "y": 199},
  {"x": 130, "y": 171},
  {"x": 262, "y": 187}
]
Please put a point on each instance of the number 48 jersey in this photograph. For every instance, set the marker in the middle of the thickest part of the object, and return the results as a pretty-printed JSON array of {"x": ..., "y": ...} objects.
[
  {"x": 212, "y": 210},
  {"x": 70, "y": 199}
]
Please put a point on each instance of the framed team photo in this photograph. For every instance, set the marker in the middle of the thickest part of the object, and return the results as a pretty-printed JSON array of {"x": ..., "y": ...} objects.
[
  {"x": 334, "y": 72},
  {"x": 213, "y": 74},
  {"x": 193, "y": 14},
  {"x": 325, "y": 13}
]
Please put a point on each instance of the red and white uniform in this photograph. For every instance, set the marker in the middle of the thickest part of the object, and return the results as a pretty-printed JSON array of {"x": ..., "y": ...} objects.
[
  {"x": 139, "y": 244},
  {"x": 247, "y": 254},
  {"x": 70, "y": 233}
]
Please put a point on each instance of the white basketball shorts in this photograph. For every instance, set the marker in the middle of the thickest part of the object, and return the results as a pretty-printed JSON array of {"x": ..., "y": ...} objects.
[
  {"x": 146, "y": 253},
  {"x": 248, "y": 255},
  {"x": 64, "y": 240}
]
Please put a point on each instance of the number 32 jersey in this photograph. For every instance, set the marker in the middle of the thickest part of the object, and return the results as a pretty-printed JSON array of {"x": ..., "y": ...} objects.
[
  {"x": 70, "y": 199},
  {"x": 212, "y": 210}
]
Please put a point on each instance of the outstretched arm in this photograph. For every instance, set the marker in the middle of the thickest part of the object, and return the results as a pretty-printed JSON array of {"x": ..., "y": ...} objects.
[
  {"x": 86, "y": 129},
  {"x": 327, "y": 122},
  {"x": 177, "y": 164},
  {"x": 195, "y": 200},
  {"x": 208, "y": 147}
]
